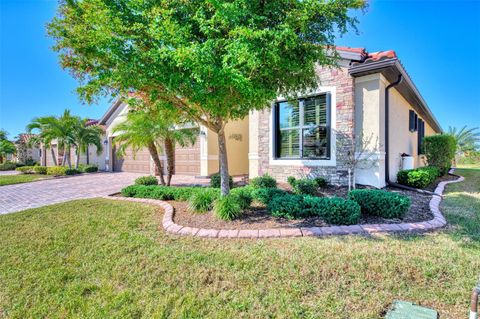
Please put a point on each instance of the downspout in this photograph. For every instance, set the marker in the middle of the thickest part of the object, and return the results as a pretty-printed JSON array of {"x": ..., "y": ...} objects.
[
  {"x": 387, "y": 144},
  {"x": 387, "y": 122}
]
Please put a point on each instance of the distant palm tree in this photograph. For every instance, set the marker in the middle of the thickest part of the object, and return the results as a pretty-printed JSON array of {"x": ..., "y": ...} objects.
[
  {"x": 83, "y": 137},
  {"x": 56, "y": 128},
  {"x": 154, "y": 129},
  {"x": 466, "y": 139}
]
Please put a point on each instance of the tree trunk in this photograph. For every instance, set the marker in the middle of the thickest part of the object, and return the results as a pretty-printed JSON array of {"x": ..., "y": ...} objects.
[
  {"x": 64, "y": 158},
  {"x": 170, "y": 154},
  {"x": 88, "y": 156},
  {"x": 354, "y": 182},
  {"x": 152, "y": 149},
  {"x": 69, "y": 157},
  {"x": 222, "y": 153},
  {"x": 1, "y": 159},
  {"x": 54, "y": 158},
  {"x": 78, "y": 157}
]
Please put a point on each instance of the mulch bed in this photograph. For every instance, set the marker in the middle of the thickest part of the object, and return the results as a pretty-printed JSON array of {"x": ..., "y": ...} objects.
[{"x": 258, "y": 218}]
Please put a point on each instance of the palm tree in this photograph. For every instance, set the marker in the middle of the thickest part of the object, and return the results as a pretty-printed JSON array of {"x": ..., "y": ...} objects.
[
  {"x": 466, "y": 139},
  {"x": 45, "y": 134},
  {"x": 154, "y": 128},
  {"x": 84, "y": 136}
]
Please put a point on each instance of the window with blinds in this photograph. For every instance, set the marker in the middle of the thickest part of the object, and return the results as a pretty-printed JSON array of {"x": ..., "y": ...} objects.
[{"x": 303, "y": 128}]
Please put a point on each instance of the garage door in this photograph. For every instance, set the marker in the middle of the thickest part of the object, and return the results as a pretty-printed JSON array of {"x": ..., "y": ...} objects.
[
  {"x": 140, "y": 163},
  {"x": 187, "y": 159}
]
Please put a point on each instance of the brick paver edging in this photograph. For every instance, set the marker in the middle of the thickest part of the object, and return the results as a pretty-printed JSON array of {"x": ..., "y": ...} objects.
[{"x": 170, "y": 227}]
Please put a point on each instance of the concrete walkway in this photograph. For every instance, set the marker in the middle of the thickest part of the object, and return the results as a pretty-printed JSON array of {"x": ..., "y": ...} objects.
[
  {"x": 3, "y": 173},
  {"x": 18, "y": 197}
]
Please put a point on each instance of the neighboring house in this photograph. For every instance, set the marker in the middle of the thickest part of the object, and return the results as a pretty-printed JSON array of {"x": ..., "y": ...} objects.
[
  {"x": 26, "y": 152},
  {"x": 369, "y": 94},
  {"x": 93, "y": 157}
]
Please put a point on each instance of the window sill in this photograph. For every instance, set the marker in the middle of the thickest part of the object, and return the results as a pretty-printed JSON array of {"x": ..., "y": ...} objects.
[{"x": 301, "y": 162}]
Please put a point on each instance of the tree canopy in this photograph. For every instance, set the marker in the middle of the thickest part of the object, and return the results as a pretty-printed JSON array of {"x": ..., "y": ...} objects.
[{"x": 212, "y": 60}]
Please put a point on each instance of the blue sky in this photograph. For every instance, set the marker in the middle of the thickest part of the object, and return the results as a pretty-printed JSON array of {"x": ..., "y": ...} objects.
[{"x": 438, "y": 42}]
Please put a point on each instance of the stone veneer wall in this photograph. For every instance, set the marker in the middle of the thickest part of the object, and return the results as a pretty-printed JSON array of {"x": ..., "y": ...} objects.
[{"x": 344, "y": 83}]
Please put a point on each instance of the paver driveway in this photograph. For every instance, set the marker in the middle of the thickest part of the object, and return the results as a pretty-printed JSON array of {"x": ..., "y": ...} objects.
[{"x": 18, "y": 197}]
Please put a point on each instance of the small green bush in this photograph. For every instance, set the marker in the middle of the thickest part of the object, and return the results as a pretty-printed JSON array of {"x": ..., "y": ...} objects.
[
  {"x": 381, "y": 203},
  {"x": 304, "y": 186},
  {"x": 288, "y": 206},
  {"x": 7, "y": 166},
  {"x": 440, "y": 151},
  {"x": 72, "y": 171},
  {"x": 265, "y": 181},
  {"x": 215, "y": 181},
  {"x": 265, "y": 195},
  {"x": 129, "y": 191},
  {"x": 333, "y": 210},
  {"x": 163, "y": 192},
  {"x": 202, "y": 201},
  {"x": 321, "y": 182},
  {"x": 146, "y": 180},
  {"x": 243, "y": 195},
  {"x": 291, "y": 180},
  {"x": 25, "y": 169},
  {"x": 419, "y": 177},
  {"x": 30, "y": 162},
  {"x": 90, "y": 168},
  {"x": 227, "y": 207},
  {"x": 40, "y": 170},
  {"x": 56, "y": 170}
]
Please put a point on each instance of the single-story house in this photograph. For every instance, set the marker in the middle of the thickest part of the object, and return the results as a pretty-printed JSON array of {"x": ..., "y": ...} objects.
[{"x": 367, "y": 95}]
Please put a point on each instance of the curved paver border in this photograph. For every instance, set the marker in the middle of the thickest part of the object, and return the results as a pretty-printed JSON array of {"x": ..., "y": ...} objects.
[{"x": 170, "y": 226}]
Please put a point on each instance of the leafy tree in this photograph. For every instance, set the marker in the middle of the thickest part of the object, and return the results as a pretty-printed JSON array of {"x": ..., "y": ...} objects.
[
  {"x": 84, "y": 136},
  {"x": 3, "y": 134},
  {"x": 154, "y": 128},
  {"x": 213, "y": 60},
  {"x": 6, "y": 148},
  {"x": 467, "y": 139}
]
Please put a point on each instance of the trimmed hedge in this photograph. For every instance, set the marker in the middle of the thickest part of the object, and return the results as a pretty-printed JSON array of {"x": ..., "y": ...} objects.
[
  {"x": 163, "y": 192},
  {"x": 265, "y": 181},
  {"x": 56, "y": 170},
  {"x": 216, "y": 180},
  {"x": 146, "y": 180},
  {"x": 333, "y": 210},
  {"x": 90, "y": 168},
  {"x": 40, "y": 170},
  {"x": 381, "y": 203},
  {"x": 25, "y": 169},
  {"x": 303, "y": 185},
  {"x": 440, "y": 151},
  {"x": 419, "y": 177},
  {"x": 8, "y": 166}
]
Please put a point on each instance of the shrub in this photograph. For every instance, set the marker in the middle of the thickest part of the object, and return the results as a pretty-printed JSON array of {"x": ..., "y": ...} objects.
[
  {"x": 7, "y": 166},
  {"x": 321, "y": 181},
  {"x": 72, "y": 171},
  {"x": 30, "y": 162},
  {"x": 90, "y": 168},
  {"x": 146, "y": 180},
  {"x": 202, "y": 201},
  {"x": 163, "y": 192},
  {"x": 56, "y": 170},
  {"x": 265, "y": 195},
  {"x": 265, "y": 181},
  {"x": 40, "y": 169},
  {"x": 227, "y": 207},
  {"x": 287, "y": 206},
  {"x": 333, "y": 210},
  {"x": 25, "y": 169},
  {"x": 419, "y": 177},
  {"x": 291, "y": 180},
  {"x": 243, "y": 195},
  {"x": 440, "y": 151},
  {"x": 305, "y": 186},
  {"x": 381, "y": 203},
  {"x": 215, "y": 181}
]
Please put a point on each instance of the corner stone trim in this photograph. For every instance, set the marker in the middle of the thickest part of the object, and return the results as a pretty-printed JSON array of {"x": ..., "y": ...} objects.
[{"x": 170, "y": 227}]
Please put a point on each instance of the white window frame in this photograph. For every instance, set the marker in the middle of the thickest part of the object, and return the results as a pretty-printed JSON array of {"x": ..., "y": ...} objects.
[{"x": 333, "y": 125}]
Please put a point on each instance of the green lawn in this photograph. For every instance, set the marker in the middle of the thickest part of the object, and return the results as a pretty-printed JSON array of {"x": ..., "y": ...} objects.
[
  {"x": 23, "y": 178},
  {"x": 100, "y": 258}
]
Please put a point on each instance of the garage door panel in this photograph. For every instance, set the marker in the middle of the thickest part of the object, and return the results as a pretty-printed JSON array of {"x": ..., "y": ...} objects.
[
  {"x": 138, "y": 162},
  {"x": 187, "y": 159}
]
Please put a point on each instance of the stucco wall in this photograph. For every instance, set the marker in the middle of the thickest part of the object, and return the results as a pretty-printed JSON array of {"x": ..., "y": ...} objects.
[{"x": 237, "y": 135}]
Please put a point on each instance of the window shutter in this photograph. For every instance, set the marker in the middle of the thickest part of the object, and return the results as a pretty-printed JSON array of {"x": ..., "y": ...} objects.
[
  {"x": 420, "y": 134},
  {"x": 411, "y": 120},
  {"x": 415, "y": 122}
]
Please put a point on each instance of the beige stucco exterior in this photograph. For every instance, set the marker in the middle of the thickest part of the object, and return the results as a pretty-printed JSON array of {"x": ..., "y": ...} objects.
[{"x": 370, "y": 121}]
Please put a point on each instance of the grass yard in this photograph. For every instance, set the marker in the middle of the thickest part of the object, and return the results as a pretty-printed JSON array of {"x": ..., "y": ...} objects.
[
  {"x": 99, "y": 258},
  {"x": 21, "y": 178}
]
